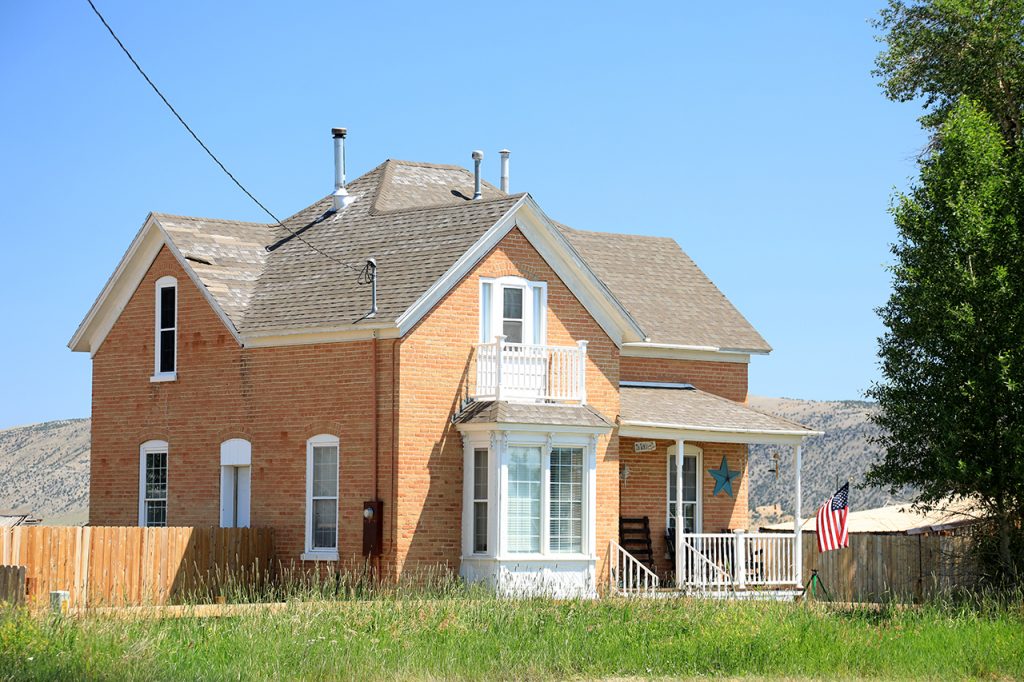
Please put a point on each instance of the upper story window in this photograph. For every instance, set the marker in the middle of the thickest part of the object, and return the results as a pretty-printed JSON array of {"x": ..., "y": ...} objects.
[
  {"x": 153, "y": 483},
  {"x": 166, "y": 341},
  {"x": 513, "y": 307}
]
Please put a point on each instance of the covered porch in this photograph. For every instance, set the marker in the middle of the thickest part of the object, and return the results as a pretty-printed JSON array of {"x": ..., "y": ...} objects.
[{"x": 683, "y": 475}]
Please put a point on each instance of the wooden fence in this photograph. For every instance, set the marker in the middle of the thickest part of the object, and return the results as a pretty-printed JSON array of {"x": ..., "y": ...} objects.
[
  {"x": 12, "y": 584},
  {"x": 114, "y": 566},
  {"x": 881, "y": 567}
]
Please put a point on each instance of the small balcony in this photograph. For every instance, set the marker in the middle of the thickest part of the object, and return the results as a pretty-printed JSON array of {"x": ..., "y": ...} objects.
[{"x": 527, "y": 372}]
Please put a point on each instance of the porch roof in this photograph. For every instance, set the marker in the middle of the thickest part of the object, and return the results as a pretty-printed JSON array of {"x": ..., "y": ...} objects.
[
  {"x": 677, "y": 411},
  {"x": 505, "y": 412}
]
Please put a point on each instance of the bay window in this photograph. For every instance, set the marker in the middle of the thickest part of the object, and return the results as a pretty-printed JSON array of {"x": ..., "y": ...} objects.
[{"x": 529, "y": 499}]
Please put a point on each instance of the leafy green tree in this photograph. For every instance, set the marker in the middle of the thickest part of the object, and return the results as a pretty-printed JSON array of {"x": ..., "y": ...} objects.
[
  {"x": 952, "y": 356},
  {"x": 942, "y": 50}
]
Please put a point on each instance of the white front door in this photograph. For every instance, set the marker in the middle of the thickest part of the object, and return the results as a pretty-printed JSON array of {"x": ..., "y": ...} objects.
[{"x": 517, "y": 311}]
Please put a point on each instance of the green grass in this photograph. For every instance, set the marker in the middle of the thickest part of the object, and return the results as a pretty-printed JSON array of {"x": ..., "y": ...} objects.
[{"x": 487, "y": 638}]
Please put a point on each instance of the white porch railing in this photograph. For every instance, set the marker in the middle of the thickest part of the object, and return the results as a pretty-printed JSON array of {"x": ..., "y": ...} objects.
[
  {"x": 525, "y": 371},
  {"x": 730, "y": 561},
  {"x": 626, "y": 575}
]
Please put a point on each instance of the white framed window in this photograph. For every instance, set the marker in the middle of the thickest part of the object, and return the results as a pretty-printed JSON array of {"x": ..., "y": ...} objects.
[
  {"x": 524, "y": 499},
  {"x": 322, "y": 455},
  {"x": 165, "y": 361},
  {"x": 514, "y": 307},
  {"x": 153, "y": 483},
  {"x": 691, "y": 502},
  {"x": 565, "y": 501},
  {"x": 480, "y": 500},
  {"x": 235, "y": 482}
]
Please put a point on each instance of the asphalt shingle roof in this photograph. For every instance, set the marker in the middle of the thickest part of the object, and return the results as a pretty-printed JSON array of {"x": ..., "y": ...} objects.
[
  {"x": 671, "y": 299},
  {"x": 502, "y": 412},
  {"x": 416, "y": 220},
  {"x": 693, "y": 408}
]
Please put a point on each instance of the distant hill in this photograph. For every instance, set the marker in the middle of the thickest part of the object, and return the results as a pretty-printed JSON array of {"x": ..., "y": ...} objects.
[
  {"x": 842, "y": 454},
  {"x": 44, "y": 470}
]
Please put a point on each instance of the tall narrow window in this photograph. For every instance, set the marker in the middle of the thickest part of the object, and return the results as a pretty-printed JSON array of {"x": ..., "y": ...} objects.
[
  {"x": 689, "y": 498},
  {"x": 322, "y": 495},
  {"x": 485, "y": 313},
  {"x": 153, "y": 484},
  {"x": 166, "y": 326},
  {"x": 480, "y": 500},
  {"x": 524, "y": 490},
  {"x": 566, "y": 500},
  {"x": 512, "y": 314}
]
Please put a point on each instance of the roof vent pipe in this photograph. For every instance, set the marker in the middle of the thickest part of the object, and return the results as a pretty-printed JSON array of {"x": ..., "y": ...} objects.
[
  {"x": 341, "y": 195},
  {"x": 504, "y": 170},
  {"x": 478, "y": 156}
]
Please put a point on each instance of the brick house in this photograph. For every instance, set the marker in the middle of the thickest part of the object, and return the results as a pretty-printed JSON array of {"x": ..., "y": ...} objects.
[{"x": 423, "y": 369}]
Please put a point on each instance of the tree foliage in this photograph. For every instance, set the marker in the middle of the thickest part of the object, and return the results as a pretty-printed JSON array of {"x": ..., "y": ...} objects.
[
  {"x": 952, "y": 398},
  {"x": 942, "y": 50}
]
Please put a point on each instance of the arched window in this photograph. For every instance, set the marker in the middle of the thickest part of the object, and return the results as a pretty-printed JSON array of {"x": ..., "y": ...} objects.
[
  {"x": 322, "y": 454},
  {"x": 153, "y": 483},
  {"x": 166, "y": 330}
]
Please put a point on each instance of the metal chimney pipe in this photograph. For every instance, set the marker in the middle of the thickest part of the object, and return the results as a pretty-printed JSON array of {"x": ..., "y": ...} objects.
[
  {"x": 504, "y": 170},
  {"x": 478, "y": 156},
  {"x": 341, "y": 196}
]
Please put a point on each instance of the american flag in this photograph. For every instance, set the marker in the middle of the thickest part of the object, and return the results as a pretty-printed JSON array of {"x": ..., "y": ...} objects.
[{"x": 832, "y": 521}]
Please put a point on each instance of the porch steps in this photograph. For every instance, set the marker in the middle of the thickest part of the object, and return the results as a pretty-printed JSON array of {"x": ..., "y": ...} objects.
[{"x": 635, "y": 538}]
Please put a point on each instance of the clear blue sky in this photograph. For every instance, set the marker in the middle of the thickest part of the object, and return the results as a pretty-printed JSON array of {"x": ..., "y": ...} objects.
[{"x": 752, "y": 133}]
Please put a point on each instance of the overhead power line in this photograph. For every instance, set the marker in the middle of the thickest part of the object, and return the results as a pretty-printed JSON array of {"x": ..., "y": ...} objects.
[{"x": 207, "y": 149}]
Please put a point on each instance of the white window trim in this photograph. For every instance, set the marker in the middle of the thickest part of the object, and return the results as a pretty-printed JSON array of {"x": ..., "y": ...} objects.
[
  {"x": 312, "y": 554},
  {"x": 493, "y": 327},
  {"x": 151, "y": 446},
  {"x": 688, "y": 451},
  {"x": 236, "y": 452},
  {"x": 486, "y": 501},
  {"x": 164, "y": 283}
]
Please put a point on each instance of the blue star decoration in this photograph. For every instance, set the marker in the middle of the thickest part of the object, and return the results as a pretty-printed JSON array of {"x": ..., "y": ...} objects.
[{"x": 724, "y": 478}]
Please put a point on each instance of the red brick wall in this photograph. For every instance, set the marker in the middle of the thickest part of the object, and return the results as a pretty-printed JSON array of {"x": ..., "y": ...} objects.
[
  {"x": 727, "y": 379},
  {"x": 644, "y": 492},
  {"x": 274, "y": 397},
  {"x": 435, "y": 359}
]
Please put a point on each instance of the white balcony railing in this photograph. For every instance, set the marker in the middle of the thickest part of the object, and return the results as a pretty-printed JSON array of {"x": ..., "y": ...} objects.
[
  {"x": 526, "y": 371},
  {"x": 729, "y": 561}
]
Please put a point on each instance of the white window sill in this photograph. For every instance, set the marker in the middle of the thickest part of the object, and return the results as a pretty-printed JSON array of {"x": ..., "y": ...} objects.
[
  {"x": 166, "y": 376},
  {"x": 319, "y": 555},
  {"x": 552, "y": 557}
]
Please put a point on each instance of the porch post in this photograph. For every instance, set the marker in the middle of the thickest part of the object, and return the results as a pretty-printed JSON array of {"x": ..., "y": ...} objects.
[
  {"x": 680, "y": 447},
  {"x": 798, "y": 540}
]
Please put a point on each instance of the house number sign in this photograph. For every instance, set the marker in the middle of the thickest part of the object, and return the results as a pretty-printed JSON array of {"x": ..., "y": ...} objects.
[{"x": 644, "y": 446}]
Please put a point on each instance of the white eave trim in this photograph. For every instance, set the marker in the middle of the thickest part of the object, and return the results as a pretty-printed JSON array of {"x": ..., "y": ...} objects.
[
  {"x": 125, "y": 280},
  {"x": 478, "y": 427},
  {"x": 556, "y": 251},
  {"x": 672, "y": 351},
  {"x": 327, "y": 335},
  {"x": 712, "y": 434}
]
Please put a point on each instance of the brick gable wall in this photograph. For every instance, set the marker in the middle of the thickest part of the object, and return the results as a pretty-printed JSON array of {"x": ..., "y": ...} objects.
[
  {"x": 435, "y": 360},
  {"x": 275, "y": 397}
]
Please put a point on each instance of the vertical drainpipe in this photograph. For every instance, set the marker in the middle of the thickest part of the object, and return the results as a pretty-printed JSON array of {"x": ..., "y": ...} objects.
[{"x": 478, "y": 156}]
